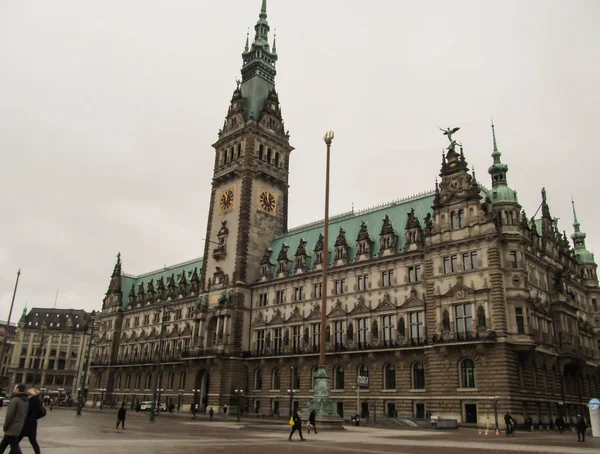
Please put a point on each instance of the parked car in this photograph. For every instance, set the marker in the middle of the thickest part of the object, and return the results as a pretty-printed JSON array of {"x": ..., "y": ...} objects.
[{"x": 147, "y": 406}]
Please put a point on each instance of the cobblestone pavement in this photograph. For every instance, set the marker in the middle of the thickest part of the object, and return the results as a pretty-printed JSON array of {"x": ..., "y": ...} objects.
[{"x": 61, "y": 431}]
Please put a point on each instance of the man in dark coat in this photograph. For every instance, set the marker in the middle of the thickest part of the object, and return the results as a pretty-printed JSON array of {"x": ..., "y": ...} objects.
[
  {"x": 15, "y": 419},
  {"x": 581, "y": 427},
  {"x": 297, "y": 425},
  {"x": 35, "y": 412},
  {"x": 312, "y": 420},
  {"x": 121, "y": 416}
]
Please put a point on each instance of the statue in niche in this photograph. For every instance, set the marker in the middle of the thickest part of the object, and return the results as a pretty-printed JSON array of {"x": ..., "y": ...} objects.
[
  {"x": 328, "y": 335},
  {"x": 306, "y": 337},
  {"x": 446, "y": 321},
  {"x": 374, "y": 330},
  {"x": 350, "y": 332},
  {"x": 286, "y": 338},
  {"x": 480, "y": 317},
  {"x": 401, "y": 328},
  {"x": 268, "y": 340}
]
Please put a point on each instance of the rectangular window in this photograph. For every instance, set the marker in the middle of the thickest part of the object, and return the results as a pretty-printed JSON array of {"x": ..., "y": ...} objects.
[
  {"x": 453, "y": 223},
  {"x": 387, "y": 327},
  {"x": 417, "y": 328},
  {"x": 296, "y": 337},
  {"x": 260, "y": 341},
  {"x": 513, "y": 259},
  {"x": 461, "y": 219},
  {"x": 128, "y": 323},
  {"x": 363, "y": 282},
  {"x": 280, "y": 296},
  {"x": 594, "y": 304},
  {"x": 136, "y": 322},
  {"x": 464, "y": 319},
  {"x": 338, "y": 330},
  {"x": 414, "y": 273},
  {"x": 262, "y": 300},
  {"x": 363, "y": 330},
  {"x": 387, "y": 278},
  {"x": 146, "y": 319},
  {"x": 450, "y": 264},
  {"x": 316, "y": 334},
  {"x": 318, "y": 290},
  {"x": 520, "y": 320},
  {"x": 470, "y": 260},
  {"x": 298, "y": 293},
  {"x": 278, "y": 340},
  {"x": 340, "y": 286},
  {"x": 318, "y": 258}
]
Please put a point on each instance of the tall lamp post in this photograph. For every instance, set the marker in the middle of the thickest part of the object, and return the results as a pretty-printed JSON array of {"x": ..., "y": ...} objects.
[
  {"x": 240, "y": 394},
  {"x": 292, "y": 393},
  {"x": 7, "y": 331},
  {"x": 495, "y": 400},
  {"x": 164, "y": 321},
  {"x": 102, "y": 391},
  {"x": 86, "y": 365},
  {"x": 321, "y": 401}
]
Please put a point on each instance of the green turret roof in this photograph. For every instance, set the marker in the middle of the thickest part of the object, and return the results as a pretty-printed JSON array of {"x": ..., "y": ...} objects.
[
  {"x": 578, "y": 237},
  {"x": 500, "y": 191}
]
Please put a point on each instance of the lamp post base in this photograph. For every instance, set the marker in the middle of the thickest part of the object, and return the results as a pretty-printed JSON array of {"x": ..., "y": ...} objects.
[{"x": 327, "y": 417}]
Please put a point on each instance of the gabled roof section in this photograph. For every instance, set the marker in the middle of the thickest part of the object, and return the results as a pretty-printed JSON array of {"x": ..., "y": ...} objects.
[
  {"x": 129, "y": 280},
  {"x": 351, "y": 222}
]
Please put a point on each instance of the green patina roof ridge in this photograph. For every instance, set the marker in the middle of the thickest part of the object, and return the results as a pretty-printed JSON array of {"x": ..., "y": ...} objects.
[{"x": 166, "y": 268}]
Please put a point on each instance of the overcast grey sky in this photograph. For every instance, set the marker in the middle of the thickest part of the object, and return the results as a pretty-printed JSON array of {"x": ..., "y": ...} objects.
[{"x": 108, "y": 111}]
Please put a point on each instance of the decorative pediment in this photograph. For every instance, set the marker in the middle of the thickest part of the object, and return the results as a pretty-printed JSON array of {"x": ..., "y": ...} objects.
[
  {"x": 123, "y": 336},
  {"x": 315, "y": 314},
  {"x": 337, "y": 311},
  {"x": 385, "y": 304},
  {"x": 276, "y": 319},
  {"x": 341, "y": 239},
  {"x": 266, "y": 258},
  {"x": 363, "y": 233},
  {"x": 360, "y": 308},
  {"x": 412, "y": 222},
  {"x": 283, "y": 253},
  {"x": 187, "y": 330},
  {"x": 386, "y": 227},
  {"x": 459, "y": 291},
  {"x": 319, "y": 245},
  {"x": 259, "y": 320},
  {"x": 295, "y": 317},
  {"x": 153, "y": 334},
  {"x": 413, "y": 301}
]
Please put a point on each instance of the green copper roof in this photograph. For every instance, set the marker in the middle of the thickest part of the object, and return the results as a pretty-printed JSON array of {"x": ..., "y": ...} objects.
[
  {"x": 128, "y": 280},
  {"x": 500, "y": 191},
  {"x": 351, "y": 222},
  {"x": 578, "y": 237}
]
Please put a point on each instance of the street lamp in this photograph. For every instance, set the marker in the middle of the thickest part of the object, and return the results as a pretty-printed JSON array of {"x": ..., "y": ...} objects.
[
  {"x": 86, "y": 366},
  {"x": 60, "y": 391},
  {"x": 157, "y": 406},
  {"x": 102, "y": 391},
  {"x": 240, "y": 393},
  {"x": 292, "y": 393},
  {"x": 164, "y": 321},
  {"x": 196, "y": 406}
]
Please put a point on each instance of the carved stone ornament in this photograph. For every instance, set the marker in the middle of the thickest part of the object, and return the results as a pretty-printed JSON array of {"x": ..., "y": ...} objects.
[
  {"x": 160, "y": 287},
  {"x": 387, "y": 228},
  {"x": 195, "y": 281},
  {"x": 301, "y": 248},
  {"x": 283, "y": 253},
  {"x": 363, "y": 233},
  {"x": 182, "y": 284},
  {"x": 481, "y": 317},
  {"x": 266, "y": 258},
  {"x": 412, "y": 222},
  {"x": 218, "y": 276},
  {"x": 341, "y": 238},
  {"x": 319, "y": 245},
  {"x": 171, "y": 286}
]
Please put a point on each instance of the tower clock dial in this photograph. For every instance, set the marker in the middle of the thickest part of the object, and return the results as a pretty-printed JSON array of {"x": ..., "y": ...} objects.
[
  {"x": 227, "y": 200},
  {"x": 267, "y": 201}
]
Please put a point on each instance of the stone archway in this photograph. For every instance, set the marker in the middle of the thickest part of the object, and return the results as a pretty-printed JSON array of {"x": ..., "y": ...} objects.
[{"x": 202, "y": 383}]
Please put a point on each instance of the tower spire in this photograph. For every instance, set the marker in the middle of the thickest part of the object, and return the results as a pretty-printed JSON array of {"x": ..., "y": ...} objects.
[
  {"x": 247, "y": 40},
  {"x": 576, "y": 224},
  {"x": 578, "y": 237},
  {"x": 263, "y": 10},
  {"x": 501, "y": 192},
  {"x": 275, "y": 42}
]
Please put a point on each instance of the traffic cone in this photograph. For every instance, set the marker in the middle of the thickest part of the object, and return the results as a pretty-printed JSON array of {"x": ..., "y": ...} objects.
[
  {"x": 486, "y": 432},
  {"x": 480, "y": 431},
  {"x": 497, "y": 432}
]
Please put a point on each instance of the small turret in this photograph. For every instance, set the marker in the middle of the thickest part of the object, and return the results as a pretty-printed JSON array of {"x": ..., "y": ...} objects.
[
  {"x": 578, "y": 237},
  {"x": 500, "y": 192}
]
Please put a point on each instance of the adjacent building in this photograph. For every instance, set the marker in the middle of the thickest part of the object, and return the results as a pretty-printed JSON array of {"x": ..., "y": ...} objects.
[
  {"x": 49, "y": 349},
  {"x": 7, "y": 336},
  {"x": 442, "y": 299}
]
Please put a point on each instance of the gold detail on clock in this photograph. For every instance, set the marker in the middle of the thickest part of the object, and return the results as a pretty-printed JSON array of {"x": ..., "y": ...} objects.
[
  {"x": 226, "y": 200},
  {"x": 267, "y": 201}
]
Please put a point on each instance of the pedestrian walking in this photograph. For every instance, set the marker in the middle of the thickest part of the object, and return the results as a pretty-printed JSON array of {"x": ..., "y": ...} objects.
[
  {"x": 1, "y": 402},
  {"x": 35, "y": 411},
  {"x": 224, "y": 410},
  {"x": 211, "y": 413},
  {"x": 312, "y": 421},
  {"x": 581, "y": 427},
  {"x": 15, "y": 420},
  {"x": 560, "y": 424},
  {"x": 121, "y": 416},
  {"x": 296, "y": 422},
  {"x": 510, "y": 423}
]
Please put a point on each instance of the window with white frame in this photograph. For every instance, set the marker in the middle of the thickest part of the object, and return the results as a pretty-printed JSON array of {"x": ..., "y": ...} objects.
[
  {"x": 260, "y": 341},
  {"x": 463, "y": 318},
  {"x": 387, "y": 278},
  {"x": 262, "y": 300},
  {"x": 363, "y": 282},
  {"x": 296, "y": 337},
  {"x": 450, "y": 264},
  {"x": 316, "y": 334},
  {"x": 280, "y": 296},
  {"x": 318, "y": 290},
  {"x": 387, "y": 328},
  {"x": 340, "y": 286},
  {"x": 278, "y": 339},
  {"x": 298, "y": 293},
  {"x": 414, "y": 273},
  {"x": 416, "y": 324},
  {"x": 470, "y": 260},
  {"x": 363, "y": 330},
  {"x": 338, "y": 330}
]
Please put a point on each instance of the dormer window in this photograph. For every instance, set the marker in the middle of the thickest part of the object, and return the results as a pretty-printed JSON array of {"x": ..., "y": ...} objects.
[
  {"x": 282, "y": 260},
  {"x": 341, "y": 246},
  {"x": 318, "y": 258},
  {"x": 363, "y": 242}
]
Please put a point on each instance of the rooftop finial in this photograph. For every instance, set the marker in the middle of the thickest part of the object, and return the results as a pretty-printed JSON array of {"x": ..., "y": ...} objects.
[
  {"x": 247, "y": 40},
  {"x": 576, "y": 224},
  {"x": 275, "y": 42},
  {"x": 263, "y": 10},
  {"x": 494, "y": 136}
]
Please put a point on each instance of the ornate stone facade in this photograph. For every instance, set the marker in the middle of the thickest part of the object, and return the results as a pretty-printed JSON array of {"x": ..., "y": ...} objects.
[{"x": 442, "y": 300}]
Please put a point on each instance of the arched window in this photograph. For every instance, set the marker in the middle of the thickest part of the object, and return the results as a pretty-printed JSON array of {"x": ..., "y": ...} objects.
[
  {"x": 138, "y": 381},
  {"x": 128, "y": 381},
  {"x": 148, "y": 381},
  {"x": 295, "y": 378},
  {"x": 171, "y": 380},
  {"x": 363, "y": 371},
  {"x": 418, "y": 376},
  {"x": 461, "y": 219},
  {"x": 258, "y": 379},
  {"x": 389, "y": 376},
  {"x": 467, "y": 373},
  {"x": 98, "y": 381},
  {"x": 338, "y": 375},
  {"x": 118, "y": 381},
  {"x": 277, "y": 158},
  {"x": 275, "y": 379},
  {"x": 182, "y": 380}
]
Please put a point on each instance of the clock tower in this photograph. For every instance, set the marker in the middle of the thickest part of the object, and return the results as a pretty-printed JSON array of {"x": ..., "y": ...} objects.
[{"x": 249, "y": 194}]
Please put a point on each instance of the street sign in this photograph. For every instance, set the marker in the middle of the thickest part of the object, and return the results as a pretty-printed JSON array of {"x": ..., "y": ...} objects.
[
  {"x": 363, "y": 381},
  {"x": 594, "y": 404}
]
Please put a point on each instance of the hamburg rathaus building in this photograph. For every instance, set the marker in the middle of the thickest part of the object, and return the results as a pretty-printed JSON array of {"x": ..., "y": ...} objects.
[{"x": 443, "y": 299}]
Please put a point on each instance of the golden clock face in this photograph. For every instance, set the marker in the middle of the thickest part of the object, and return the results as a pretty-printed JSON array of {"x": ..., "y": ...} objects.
[
  {"x": 226, "y": 200},
  {"x": 267, "y": 202}
]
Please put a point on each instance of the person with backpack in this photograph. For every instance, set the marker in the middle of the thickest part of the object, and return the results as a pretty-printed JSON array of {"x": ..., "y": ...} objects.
[
  {"x": 35, "y": 411},
  {"x": 15, "y": 420}
]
